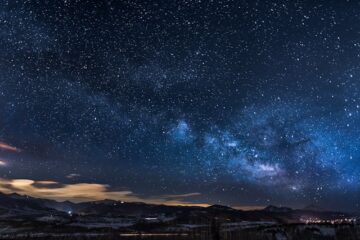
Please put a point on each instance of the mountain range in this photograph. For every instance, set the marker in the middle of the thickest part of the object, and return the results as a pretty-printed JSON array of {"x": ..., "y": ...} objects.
[{"x": 20, "y": 205}]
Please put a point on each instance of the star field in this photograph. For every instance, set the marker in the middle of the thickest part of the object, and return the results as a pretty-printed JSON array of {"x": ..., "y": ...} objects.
[{"x": 241, "y": 103}]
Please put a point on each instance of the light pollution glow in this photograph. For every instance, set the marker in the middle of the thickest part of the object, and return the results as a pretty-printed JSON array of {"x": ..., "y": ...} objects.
[{"x": 80, "y": 192}]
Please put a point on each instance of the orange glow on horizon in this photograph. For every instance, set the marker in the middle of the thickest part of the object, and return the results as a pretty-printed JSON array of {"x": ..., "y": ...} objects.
[{"x": 81, "y": 192}]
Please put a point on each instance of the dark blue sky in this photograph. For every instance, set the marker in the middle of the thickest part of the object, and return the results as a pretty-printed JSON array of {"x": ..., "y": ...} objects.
[{"x": 241, "y": 103}]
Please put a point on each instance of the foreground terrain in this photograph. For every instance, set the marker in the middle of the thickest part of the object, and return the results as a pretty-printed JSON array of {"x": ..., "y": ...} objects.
[{"x": 24, "y": 217}]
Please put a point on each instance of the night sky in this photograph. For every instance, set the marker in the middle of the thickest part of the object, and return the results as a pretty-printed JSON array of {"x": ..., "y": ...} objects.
[{"x": 241, "y": 102}]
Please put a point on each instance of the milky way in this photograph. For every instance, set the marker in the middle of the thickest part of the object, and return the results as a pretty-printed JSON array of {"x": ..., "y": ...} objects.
[{"x": 241, "y": 103}]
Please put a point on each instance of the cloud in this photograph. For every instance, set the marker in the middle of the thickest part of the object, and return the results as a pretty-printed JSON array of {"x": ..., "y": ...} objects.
[
  {"x": 183, "y": 195},
  {"x": 3, "y": 163},
  {"x": 79, "y": 192},
  {"x": 7, "y": 147},
  {"x": 73, "y": 175}
]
